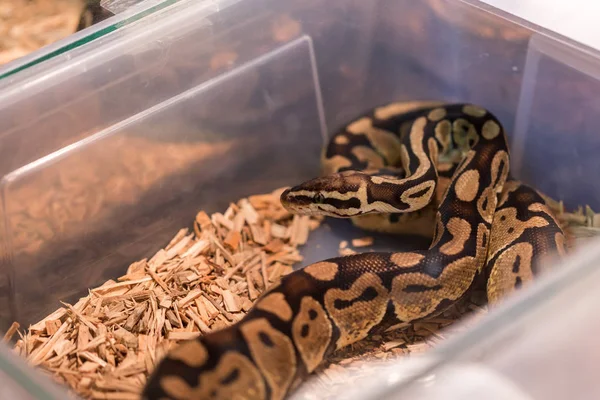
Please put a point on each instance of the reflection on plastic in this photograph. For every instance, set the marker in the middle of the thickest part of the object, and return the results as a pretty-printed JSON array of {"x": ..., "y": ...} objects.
[
  {"x": 557, "y": 119},
  {"x": 369, "y": 382},
  {"x": 456, "y": 382},
  {"x": 77, "y": 216},
  {"x": 464, "y": 381},
  {"x": 118, "y": 6},
  {"x": 17, "y": 383}
]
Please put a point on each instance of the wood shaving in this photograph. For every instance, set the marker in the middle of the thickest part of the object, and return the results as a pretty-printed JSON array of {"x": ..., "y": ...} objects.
[
  {"x": 362, "y": 242},
  {"x": 284, "y": 28},
  {"x": 105, "y": 345},
  {"x": 346, "y": 252},
  {"x": 11, "y": 331},
  {"x": 27, "y": 25}
]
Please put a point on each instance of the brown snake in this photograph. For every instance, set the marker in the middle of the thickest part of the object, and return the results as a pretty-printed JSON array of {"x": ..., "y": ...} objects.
[{"x": 386, "y": 162}]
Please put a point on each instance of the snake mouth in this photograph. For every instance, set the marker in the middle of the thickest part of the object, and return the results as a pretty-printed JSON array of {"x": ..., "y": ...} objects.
[{"x": 296, "y": 204}]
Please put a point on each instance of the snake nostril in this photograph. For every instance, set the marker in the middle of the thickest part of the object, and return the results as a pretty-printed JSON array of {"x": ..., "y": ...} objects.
[{"x": 285, "y": 195}]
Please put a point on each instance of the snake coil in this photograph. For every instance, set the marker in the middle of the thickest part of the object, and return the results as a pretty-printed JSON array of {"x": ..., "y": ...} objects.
[{"x": 379, "y": 170}]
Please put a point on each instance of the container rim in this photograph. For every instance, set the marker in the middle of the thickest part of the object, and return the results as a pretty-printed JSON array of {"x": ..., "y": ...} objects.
[{"x": 85, "y": 36}]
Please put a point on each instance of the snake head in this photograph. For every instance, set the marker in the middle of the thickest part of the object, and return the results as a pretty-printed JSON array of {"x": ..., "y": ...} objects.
[{"x": 337, "y": 195}]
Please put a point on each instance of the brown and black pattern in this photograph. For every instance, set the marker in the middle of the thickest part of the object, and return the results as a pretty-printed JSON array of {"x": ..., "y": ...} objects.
[
  {"x": 525, "y": 237},
  {"x": 481, "y": 224}
]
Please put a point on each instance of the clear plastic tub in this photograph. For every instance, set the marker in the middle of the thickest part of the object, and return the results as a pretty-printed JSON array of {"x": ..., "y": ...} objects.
[{"x": 122, "y": 133}]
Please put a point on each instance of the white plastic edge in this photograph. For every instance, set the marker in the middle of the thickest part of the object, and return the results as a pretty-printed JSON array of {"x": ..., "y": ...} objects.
[{"x": 574, "y": 19}]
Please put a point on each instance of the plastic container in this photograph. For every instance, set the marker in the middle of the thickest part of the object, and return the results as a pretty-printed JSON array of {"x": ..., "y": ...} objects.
[{"x": 120, "y": 134}]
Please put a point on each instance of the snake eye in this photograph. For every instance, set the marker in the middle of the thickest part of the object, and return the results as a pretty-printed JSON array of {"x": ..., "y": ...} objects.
[{"x": 319, "y": 198}]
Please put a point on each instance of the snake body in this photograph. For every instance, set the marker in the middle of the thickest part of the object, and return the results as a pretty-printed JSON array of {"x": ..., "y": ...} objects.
[{"x": 387, "y": 162}]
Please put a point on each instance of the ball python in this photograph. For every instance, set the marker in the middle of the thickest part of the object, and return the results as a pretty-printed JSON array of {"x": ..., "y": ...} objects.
[{"x": 485, "y": 224}]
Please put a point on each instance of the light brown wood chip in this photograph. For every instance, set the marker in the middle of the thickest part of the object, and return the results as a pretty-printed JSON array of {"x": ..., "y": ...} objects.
[
  {"x": 362, "y": 242},
  {"x": 106, "y": 345},
  {"x": 11, "y": 331}
]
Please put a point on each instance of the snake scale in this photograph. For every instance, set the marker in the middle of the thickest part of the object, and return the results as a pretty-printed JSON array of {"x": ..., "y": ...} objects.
[{"x": 389, "y": 164}]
